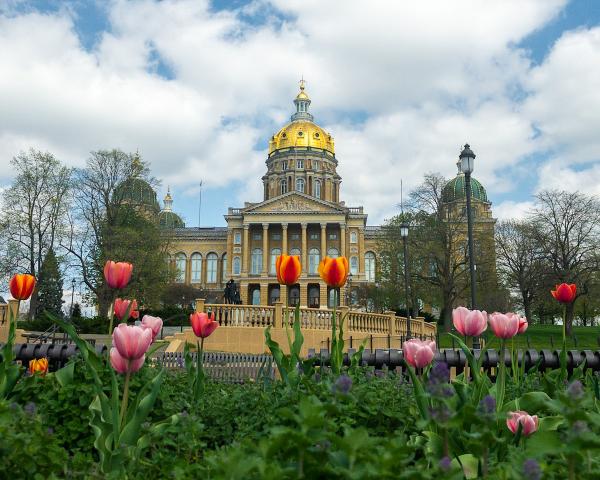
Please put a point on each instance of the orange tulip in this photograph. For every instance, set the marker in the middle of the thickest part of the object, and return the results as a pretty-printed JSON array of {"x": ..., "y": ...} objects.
[
  {"x": 565, "y": 293},
  {"x": 117, "y": 274},
  {"x": 21, "y": 286},
  {"x": 288, "y": 269},
  {"x": 39, "y": 365},
  {"x": 334, "y": 271}
]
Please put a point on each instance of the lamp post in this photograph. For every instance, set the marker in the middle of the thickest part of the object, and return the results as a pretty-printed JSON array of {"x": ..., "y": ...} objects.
[
  {"x": 72, "y": 295},
  {"x": 466, "y": 165},
  {"x": 404, "y": 235}
]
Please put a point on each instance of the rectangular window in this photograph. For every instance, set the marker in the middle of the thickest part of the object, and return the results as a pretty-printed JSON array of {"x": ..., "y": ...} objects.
[
  {"x": 299, "y": 163},
  {"x": 284, "y": 165},
  {"x": 295, "y": 236},
  {"x": 237, "y": 238},
  {"x": 257, "y": 236},
  {"x": 276, "y": 236},
  {"x": 314, "y": 236},
  {"x": 332, "y": 236}
]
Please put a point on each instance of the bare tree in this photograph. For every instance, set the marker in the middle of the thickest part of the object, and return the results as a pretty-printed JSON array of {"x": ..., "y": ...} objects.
[
  {"x": 34, "y": 213},
  {"x": 568, "y": 233},
  {"x": 519, "y": 260},
  {"x": 107, "y": 224}
]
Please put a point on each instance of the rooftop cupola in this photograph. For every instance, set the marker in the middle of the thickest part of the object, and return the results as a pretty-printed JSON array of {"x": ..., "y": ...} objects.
[{"x": 302, "y": 103}]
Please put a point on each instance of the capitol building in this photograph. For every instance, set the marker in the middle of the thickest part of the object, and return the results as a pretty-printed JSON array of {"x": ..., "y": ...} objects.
[{"x": 301, "y": 213}]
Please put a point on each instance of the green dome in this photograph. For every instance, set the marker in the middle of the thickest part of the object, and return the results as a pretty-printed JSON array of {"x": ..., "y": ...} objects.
[
  {"x": 168, "y": 219},
  {"x": 139, "y": 193},
  {"x": 455, "y": 190}
]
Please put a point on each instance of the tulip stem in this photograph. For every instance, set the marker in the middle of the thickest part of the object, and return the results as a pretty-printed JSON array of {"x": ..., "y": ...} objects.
[
  {"x": 111, "y": 313},
  {"x": 125, "y": 395}
]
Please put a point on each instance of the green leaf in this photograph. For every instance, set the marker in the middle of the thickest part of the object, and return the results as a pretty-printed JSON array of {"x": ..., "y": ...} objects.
[
  {"x": 469, "y": 464},
  {"x": 280, "y": 359},
  {"x": 64, "y": 376},
  {"x": 542, "y": 444},
  {"x": 547, "y": 424},
  {"x": 298, "y": 337}
]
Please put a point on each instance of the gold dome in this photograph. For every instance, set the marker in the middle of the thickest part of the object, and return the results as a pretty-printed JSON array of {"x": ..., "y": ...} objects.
[{"x": 301, "y": 133}]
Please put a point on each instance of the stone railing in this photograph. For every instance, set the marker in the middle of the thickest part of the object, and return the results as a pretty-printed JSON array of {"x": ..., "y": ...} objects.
[{"x": 387, "y": 323}]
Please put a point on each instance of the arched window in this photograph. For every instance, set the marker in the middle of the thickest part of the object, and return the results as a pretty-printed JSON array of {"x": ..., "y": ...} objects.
[
  {"x": 257, "y": 261},
  {"x": 318, "y": 188},
  {"x": 196, "y": 268},
  {"x": 300, "y": 185},
  {"x": 274, "y": 254},
  {"x": 211, "y": 268},
  {"x": 354, "y": 265},
  {"x": 353, "y": 237},
  {"x": 256, "y": 296},
  {"x": 180, "y": 261},
  {"x": 237, "y": 265},
  {"x": 283, "y": 186},
  {"x": 370, "y": 266},
  {"x": 313, "y": 261},
  {"x": 333, "y": 253},
  {"x": 295, "y": 251},
  {"x": 224, "y": 271}
]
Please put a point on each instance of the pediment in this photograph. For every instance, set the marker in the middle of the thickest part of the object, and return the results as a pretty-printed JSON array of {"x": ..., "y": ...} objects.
[{"x": 295, "y": 202}]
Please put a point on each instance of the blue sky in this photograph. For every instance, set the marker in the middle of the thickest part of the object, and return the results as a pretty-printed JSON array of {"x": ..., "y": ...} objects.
[{"x": 198, "y": 87}]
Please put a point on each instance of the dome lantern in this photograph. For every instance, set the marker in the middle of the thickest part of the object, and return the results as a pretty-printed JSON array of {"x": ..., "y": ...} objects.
[{"x": 302, "y": 103}]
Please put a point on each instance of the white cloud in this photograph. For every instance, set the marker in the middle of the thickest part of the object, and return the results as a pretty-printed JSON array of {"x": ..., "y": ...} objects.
[
  {"x": 509, "y": 209},
  {"x": 426, "y": 77}
]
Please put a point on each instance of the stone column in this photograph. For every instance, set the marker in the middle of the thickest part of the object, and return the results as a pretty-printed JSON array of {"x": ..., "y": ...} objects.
[
  {"x": 245, "y": 249},
  {"x": 304, "y": 247},
  {"x": 188, "y": 270},
  {"x": 343, "y": 239},
  {"x": 199, "y": 304},
  {"x": 266, "y": 255},
  {"x": 323, "y": 240},
  {"x": 361, "y": 250},
  {"x": 284, "y": 239},
  {"x": 323, "y": 294}
]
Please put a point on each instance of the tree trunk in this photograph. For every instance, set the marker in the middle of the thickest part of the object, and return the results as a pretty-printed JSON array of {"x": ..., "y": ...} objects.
[
  {"x": 527, "y": 308},
  {"x": 570, "y": 310},
  {"x": 33, "y": 301}
]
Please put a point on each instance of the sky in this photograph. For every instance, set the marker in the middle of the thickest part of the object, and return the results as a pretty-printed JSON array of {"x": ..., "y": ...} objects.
[{"x": 198, "y": 87}]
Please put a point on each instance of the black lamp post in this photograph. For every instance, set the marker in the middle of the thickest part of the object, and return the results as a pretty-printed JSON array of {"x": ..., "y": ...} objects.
[
  {"x": 72, "y": 295},
  {"x": 467, "y": 164},
  {"x": 404, "y": 235}
]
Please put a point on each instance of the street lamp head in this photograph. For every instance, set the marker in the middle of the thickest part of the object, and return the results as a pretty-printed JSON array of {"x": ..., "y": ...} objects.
[
  {"x": 404, "y": 230},
  {"x": 466, "y": 160}
]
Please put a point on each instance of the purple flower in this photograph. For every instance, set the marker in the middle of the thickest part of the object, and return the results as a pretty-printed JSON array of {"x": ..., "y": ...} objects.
[
  {"x": 445, "y": 463},
  {"x": 343, "y": 384},
  {"x": 487, "y": 406},
  {"x": 440, "y": 413},
  {"x": 50, "y": 431},
  {"x": 575, "y": 390},
  {"x": 30, "y": 408},
  {"x": 437, "y": 382},
  {"x": 531, "y": 469},
  {"x": 580, "y": 427}
]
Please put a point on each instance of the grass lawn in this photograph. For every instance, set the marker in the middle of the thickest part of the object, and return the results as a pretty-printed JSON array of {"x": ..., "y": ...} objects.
[{"x": 541, "y": 337}]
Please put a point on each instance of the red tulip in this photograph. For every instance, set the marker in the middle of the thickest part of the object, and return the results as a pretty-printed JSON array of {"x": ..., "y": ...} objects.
[
  {"x": 334, "y": 271},
  {"x": 418, "y": 353},
  {"x": 202, "y": 324},
  {"x": 288, "y": 269},
  {"x": 131, "y": 342},
  {"x": 38, "y": 366},
  {"x": 529, "y": 423},
  {"x": 565, "y": 293},
  {"x": 123, "y": 365},
  {"x": 21, "y": 286},
  {"x": 471, "y": 323},
  {"x": 121, "y": 306},
  {"x": 117, "y": 274},
  {"x": 155, "y": 324},
  {"x": 504, "y": 326}
]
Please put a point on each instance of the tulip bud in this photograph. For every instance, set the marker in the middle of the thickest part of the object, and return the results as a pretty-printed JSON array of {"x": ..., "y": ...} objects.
[
  {"x": 117, "y": 274},
  {"x": 21, "y": 286},
  {"x": 288, "y": 269},
  {"x": 203, "y": 325},
  {"x": 155, "y": 324},
  {"x": 39, "y": 365},
  {"x": 334, "y": 271},
  {"x": 529, "y": 423}
]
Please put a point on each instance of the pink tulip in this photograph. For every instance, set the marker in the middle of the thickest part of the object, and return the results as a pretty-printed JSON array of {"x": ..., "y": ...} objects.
[
  {"x": 418, "y": 353},
  {"x": 122, "y": 365},
  {"x": 153, "y": 323},
  {"x": 117, "y": 274},
  {"x": 121, "y": 306},
  {"x": 131, "y": 342},
  {"x": 471, "y": 323},
  {"x": 529, "y": 422},
  {"x": 522, "y": 322},
  {"x": 504, "y": 326},
  {"x": 202, "y": 324}
]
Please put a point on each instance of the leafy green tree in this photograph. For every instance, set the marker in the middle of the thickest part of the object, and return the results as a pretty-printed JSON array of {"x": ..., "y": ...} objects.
[{"x": 49, "y": 287}]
